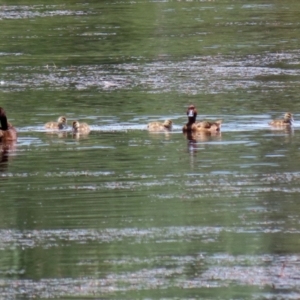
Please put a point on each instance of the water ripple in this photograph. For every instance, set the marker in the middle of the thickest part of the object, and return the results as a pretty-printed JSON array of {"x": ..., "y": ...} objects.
[
  {"x": 209, "y": 272},
  {"x": 209, "y": 74},
  {"x": 33, "y": 11}
]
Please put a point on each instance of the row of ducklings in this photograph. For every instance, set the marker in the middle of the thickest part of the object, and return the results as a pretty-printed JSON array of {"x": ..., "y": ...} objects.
[
  {"x": 9, "y": 133},
  {"x": 190, "y": 126},
  {"x": 61, "y": 124},
  {"x": 210, "y": 127}
]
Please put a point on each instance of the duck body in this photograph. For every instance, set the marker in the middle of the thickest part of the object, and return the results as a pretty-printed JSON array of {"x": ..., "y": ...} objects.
[
  {"x": 7, "y": 131},
  {"x": 206, "y": 126},
  {"x": 286, "y": 121},
  {"x": 203, "y": 126},
  {"x": 83, "y": 128},
  {"x": 160, "y": 126},
  {"x": 8, "y": 135},
  {"x": 59, "y": 125}
]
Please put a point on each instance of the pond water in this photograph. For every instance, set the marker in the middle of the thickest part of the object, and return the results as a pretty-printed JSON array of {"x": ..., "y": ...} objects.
[{"x": 122, "y": 213}]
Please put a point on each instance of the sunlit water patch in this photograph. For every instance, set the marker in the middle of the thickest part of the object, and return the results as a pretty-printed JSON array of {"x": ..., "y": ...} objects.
[
  {"x": 203, "y": 270},
  {"x": 210, "y": 74},
  {"x": 34, "y": 11},
  {"x": 64, "y": 237}
]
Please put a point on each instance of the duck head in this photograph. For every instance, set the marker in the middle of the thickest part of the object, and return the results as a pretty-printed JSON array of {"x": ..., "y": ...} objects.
[
  {"x": 75, "y": 125},
  {"x": 62, "y": 122},
  {"x": 192, "y": 113},
  {"x": 216, "y": 127},
  {"x": 288, "y": 117},
  {"x": 168, "y": 124}
]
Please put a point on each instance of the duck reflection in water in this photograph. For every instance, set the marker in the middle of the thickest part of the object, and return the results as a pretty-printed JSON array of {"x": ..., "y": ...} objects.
[
  {"x": 202, "y": 136},
  {"x": 195, "y": 137},
  {"x": 59, "y": 134},
  {"x": 6, "y": 149}
]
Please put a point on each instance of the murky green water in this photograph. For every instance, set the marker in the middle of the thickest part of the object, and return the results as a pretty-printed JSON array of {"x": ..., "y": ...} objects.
[{"x": 127, "y": 214}]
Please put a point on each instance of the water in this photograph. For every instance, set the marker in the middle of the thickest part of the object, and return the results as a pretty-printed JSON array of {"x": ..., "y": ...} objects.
[{"x": 127, "y": 214}]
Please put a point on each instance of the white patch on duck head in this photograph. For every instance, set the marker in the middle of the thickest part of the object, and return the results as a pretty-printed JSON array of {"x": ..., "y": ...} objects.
[{"x": 191, "y": 113}]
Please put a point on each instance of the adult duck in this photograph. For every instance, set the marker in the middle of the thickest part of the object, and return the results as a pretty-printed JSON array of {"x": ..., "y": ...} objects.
[
  {"x": 160, "y": 126},
  {"x": 7, "y": 131},
  {"x": 59, "y": 125},
  {"x": 82, "y": 128},
  {"x": 286, "y": 121},
  {"x": 203, "y": 126}
]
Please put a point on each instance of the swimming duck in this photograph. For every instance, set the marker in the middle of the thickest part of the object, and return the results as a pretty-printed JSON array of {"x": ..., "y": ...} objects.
[
  {"x": 192, "y": 115},
  {"x": 7, "y": 131},
  {"x": 83, "y": 128},
  {"x": 60, "y": 124},
  {"x": 159, "y": 126},
  {"x": 286, "y": 121},
  {"x": 204, "y": 126}
]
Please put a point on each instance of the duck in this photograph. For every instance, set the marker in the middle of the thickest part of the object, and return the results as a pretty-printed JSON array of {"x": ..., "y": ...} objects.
[
  {"x": 206, "y": 126},
  {"x": 7, "y": 131},
  {"x": 160, "y": 126},
  {"x": 286, "y": 121},
  {"x": 83, "y": 128},
  {"x": 203, "y": 126},
  {"x": 59, "y": 125}
]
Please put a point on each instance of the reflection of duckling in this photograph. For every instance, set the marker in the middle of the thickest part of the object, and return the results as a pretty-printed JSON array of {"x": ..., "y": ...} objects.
[
  {"x": 7, "y": 131},
  {"x": 159, "y": 126},
  {"x": 202, "y": 136},
  {"x": 83, "y": 128},
  {"x": 60, "y": 124},
  {"x": 286, "y": 121},
  {"x": 204, "y": 126},
  {"x": 59, "y": 134}
]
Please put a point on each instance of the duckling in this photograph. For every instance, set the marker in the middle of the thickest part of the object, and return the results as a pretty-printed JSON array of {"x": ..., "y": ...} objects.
[
  {"x": 60, "y": 124},
  {"x": 286, "y": 121},
  {"x": 159, "y": 126},
  {"x": 83, "y": 128},
  {"x": 7, "y": 131},
  {"x": 203, "y": 126},
  {"x": 206, "y": 126}
]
